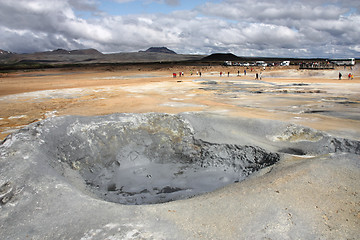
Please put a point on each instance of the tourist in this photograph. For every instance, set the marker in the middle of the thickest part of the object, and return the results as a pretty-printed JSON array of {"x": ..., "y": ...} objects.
[
  {"x": 340, "y": 75},
  {"x": 349, "y": 76},
  {"x": 244, "y": 72},
  {"x": 228, "y": 74}
]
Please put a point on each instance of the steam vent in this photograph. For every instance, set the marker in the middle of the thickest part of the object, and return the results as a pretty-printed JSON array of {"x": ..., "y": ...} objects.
[{"x": 80, "y": 172}]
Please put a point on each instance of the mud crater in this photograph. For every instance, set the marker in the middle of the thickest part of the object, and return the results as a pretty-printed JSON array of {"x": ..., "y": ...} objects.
[{"x": 152, "y": 158}]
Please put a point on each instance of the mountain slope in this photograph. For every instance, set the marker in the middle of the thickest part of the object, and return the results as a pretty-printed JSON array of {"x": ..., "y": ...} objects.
[
  {"x": 222, "y": 57},
  {"x": 159, "y": 50}
]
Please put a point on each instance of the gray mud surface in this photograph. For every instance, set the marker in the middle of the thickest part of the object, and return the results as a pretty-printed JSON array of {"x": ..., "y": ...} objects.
[{"x": 187, "y": 176}]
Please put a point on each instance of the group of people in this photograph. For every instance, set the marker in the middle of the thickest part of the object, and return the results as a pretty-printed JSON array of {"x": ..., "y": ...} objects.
[
  {"x": 182, "y": 74},
  {"x": 257, "y": 75},
  {"x": 221, "y": 73},
  {"x": 350, "y": 76},
  {"x": 238, "y": 73}
]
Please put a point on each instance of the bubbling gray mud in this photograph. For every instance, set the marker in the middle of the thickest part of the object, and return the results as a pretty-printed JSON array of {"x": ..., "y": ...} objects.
[
  {"x": 191, "y": 168},
  {"x": 145, "y": 158}
]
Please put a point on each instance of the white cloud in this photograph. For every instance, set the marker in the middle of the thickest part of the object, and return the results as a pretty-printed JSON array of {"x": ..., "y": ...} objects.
[
  {"x": 267, "y": 35},
  {"x": 293, "y": 24},
  {"x": 247, "y": 27},
  {"x": 168, "y": 2},
  {"x": 356, "y": 48}
]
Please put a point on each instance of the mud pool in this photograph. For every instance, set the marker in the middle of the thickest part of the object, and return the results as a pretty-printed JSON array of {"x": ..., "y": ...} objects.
[{"x": 146, "y": 159}]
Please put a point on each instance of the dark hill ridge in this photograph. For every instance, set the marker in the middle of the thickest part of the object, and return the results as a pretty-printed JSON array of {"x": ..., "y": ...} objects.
[
  {"x": 60, "y": 51},
  {"x": 159, "y": 50},
  {"x": 89, "y": 51},
  {"x": 63, "y": 57},
  {"x": 222, "y": 57}
]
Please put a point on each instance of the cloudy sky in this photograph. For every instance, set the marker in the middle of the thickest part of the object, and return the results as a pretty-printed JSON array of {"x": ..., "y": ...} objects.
[{"x": 302, "y": 28}]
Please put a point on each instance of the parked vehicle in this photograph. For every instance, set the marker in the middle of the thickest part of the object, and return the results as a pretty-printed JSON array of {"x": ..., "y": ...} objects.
[
  {"x": 343, "y": 62},
  {"x": 285, "y": 63}
]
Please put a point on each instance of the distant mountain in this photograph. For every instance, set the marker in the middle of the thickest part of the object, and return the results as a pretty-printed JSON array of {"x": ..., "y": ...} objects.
[
  {"x": 59, "y": 51},
  {"x": 89, "y": 51},
  {"x": 222, "y": 57},
  {"x": 4, "y": 52},
  {"x": 160, "y": 50},
  {"x": 59, "y": 57}
]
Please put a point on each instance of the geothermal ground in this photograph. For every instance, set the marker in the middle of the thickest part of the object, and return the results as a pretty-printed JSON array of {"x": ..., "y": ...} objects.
[
  {"x": 133, "y": 153},
  {"x": 308, "y": 97}
]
